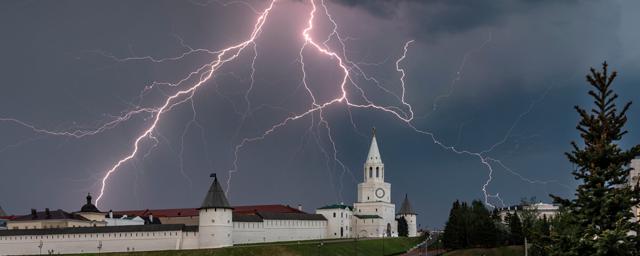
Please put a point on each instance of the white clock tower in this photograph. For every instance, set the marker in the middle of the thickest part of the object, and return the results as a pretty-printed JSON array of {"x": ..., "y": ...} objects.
[{"x": 374, "y": 195}]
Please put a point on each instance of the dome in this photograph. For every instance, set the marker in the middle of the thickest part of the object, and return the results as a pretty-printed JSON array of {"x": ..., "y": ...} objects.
[{"x": 89, "y": 207}]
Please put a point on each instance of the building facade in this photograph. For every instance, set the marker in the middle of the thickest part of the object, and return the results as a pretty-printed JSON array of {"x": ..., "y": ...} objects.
[{"x": 373, "y": 214}]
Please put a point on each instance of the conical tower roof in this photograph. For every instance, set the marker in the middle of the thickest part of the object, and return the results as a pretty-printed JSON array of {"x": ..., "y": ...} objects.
[
  {"x": 374, "y": 152},
  {"x": 215, "y": 196},
  {"x": 406, "y": 206}
]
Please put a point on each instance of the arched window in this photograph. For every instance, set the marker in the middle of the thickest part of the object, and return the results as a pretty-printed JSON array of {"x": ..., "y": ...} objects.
[
  {"x": 370, "y": 172},
  {"x": 377, "y": 172}
]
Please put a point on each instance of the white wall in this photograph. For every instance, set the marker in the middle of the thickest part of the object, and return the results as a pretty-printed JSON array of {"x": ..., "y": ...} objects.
[
  {"x": 215, "y": 227},
  {"x": 411, "y": 224},
  {"x": 384, "y": 210},
  {"x": 248, "y": 232},
  {"x": 88, "y": 243},
  {"x": 293, "y": 230},
  {"x": 336, "y": 219},
  {"x": 368, "y": 227}
]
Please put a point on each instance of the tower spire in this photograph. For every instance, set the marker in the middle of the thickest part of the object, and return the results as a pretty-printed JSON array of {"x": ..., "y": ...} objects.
[{"x": 374, "y": 152}]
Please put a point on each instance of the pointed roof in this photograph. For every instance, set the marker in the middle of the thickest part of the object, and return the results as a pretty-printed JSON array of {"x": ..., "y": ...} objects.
[
  {"x": 374, "y": 153},
  {"x": 215, "y": 196},
  {"x": 2, "y": 212},
  {"x": 406, "y": 206}
]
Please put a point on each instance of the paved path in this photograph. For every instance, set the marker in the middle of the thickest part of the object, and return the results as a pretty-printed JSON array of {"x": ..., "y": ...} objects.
[{"x": 420, "y": 252}]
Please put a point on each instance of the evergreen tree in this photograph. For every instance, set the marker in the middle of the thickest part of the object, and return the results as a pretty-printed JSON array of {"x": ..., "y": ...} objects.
[
  {"x": 452, "y": 238},
  {"x": 482, "y": 228},
  {"x": 599, "y": 219},
  {"x": 515, "y": 227},
  {"x": 403, "y": 227}
]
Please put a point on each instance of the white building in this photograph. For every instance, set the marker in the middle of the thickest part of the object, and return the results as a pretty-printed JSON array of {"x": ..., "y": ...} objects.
[
  {"x": 543, "y": 210},
  {"x": 634, "y": 179},
  {"x": 373, "y": 214},
  {"x": 215, "y": 224},
  {"x": 374, "y": 198},
  {"x": 339, "y": 220}
]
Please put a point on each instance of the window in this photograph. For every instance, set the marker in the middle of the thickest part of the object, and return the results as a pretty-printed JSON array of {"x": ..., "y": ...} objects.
[
  {"x": 370, "y": 172},
  {"x": 377, "y": 172},
  {"x": 334, "y": 214}
]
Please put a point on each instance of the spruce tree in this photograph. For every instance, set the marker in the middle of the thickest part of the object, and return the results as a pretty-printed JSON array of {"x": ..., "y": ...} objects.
[
  {"x": 452, "y": 236},
  {"x": 515, "y": 226},
  {"x": 483, "y": 230},
  {"x": 601, "y": 212},
  {"x": 403, "y": 227}
]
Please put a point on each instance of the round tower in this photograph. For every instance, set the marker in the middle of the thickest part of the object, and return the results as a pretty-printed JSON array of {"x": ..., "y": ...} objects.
[
  {"x": 407, "y": 212},
  {"x": 215, "y": 219}
]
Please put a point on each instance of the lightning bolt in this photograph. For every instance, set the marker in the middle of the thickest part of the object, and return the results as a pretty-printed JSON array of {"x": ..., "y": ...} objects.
[
  {"x": 345, "y": 81},
  {"x": 350, "y": 71},
  {"x": 223, "y": 56}
]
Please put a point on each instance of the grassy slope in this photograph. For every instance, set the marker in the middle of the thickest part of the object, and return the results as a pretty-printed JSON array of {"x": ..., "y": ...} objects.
[
  {"x": 392, "y": 246},
  {"x": 501, "y": 251}
]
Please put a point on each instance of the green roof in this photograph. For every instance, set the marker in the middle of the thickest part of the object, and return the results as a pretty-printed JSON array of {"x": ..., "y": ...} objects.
[
  {"x": 368, "y": 216},
  {"x": 336, "y": 206}
]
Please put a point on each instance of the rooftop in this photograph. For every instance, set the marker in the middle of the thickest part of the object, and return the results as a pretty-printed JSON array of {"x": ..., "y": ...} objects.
[
  {"x": 49, "y": 215},
  {"x": 406, "y": 206},
  {"x": 336, "y": 206},
  {"x": 215, "y": 197},
  {"x": 89, "y": 206},
  {"x": 368, "y": 216}
]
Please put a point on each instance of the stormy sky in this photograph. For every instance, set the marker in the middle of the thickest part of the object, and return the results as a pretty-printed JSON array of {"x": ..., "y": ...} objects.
[{"x": 479, "y": 74}]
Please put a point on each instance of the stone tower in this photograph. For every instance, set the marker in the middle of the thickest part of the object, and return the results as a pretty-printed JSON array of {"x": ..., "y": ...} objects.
[
  {"x": 215, "y": 224},
  {"x": 407, "y": 212},
  {"x": 374, "y": 196}
]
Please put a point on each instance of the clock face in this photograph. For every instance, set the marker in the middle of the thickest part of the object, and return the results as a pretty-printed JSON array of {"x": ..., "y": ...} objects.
[{"x": 380, "y": 193}]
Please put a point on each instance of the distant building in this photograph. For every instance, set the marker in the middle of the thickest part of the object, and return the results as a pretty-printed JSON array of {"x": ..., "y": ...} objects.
[
  {"x": 340, "y": 220},
  {"x": 123, "y": 220},
  {"x": 214, "y": 224},
  {"x": 543, "y": 210},
  {"x": 51, "y": 219}
]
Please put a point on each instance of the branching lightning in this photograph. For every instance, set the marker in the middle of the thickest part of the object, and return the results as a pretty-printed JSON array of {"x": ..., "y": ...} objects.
[{"x": 350, "y": 71}]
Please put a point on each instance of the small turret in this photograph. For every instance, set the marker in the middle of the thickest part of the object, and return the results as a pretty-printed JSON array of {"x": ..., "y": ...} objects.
[
  {"x": 407, "y": 212},
  {"x": 90, "y": 211},
  {"x": 215, "y": 221}
]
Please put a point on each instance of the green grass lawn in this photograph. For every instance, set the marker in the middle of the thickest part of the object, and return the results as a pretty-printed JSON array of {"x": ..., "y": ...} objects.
[
  {"x": 500, "y": 251},
  {"x": 392, "y": 246}
]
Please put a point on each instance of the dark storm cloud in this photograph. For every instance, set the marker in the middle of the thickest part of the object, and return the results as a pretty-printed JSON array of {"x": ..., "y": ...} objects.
[{"x": 433, "y": 17}]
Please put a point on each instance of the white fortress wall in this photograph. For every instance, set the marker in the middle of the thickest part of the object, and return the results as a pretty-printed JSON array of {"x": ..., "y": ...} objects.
[{"x": 92, "y": 242}]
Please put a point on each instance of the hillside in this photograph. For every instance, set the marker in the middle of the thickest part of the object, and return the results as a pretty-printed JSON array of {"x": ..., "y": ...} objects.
[{"x": 392, "y": 246}]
